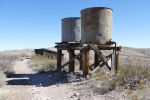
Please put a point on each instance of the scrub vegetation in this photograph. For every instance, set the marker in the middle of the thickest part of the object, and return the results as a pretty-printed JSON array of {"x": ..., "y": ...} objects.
[
  {"x": 6, "y": 62},
  {"x": 135, "y": 80},
  {"x": 42, "y": 63}
]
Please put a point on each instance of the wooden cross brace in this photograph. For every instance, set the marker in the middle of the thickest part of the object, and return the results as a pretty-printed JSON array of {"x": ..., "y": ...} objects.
[{"x": 100, "y": 55}]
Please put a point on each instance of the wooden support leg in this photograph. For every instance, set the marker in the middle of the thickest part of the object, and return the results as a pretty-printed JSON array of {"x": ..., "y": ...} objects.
[
  {"x": 96, "y": 60},
  {"x": 117, "y": 62},
  {"x": 85, "y": 63},
  {"x": 59, "y": 58},
  {"x": 81, "y": 61},
  {"x": 71, "y": 56},
  {"x": 113, "y": 66}
]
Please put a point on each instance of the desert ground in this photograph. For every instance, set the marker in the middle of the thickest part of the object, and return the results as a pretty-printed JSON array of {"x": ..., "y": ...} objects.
[{"x": 28, "y": 84}]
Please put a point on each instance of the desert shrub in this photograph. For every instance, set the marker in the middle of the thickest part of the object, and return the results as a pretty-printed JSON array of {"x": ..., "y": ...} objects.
[
  {"x": 2, "y": 76},
  {"x": 42, "y": 63},
  {"x": 99, "y": 73},
  {"x": 128, "y": 77},
  {"x": 139, "y": 94},
  {"x": 24, "y": 54},
  {"x": 131, "y": 77},
  {"x": 6, "y": 62}
]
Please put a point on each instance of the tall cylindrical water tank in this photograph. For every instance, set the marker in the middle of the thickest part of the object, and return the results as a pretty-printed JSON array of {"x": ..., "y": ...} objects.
[
  {"x": 96, "y": 25},
  {"x": 71, "y": 29}
]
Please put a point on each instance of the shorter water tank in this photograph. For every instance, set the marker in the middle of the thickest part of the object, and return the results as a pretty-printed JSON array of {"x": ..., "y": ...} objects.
[
  {"x": 96, "y": 25},
  {"x": 71, "y": 29}
]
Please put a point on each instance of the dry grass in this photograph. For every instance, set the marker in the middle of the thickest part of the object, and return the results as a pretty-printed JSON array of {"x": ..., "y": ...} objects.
[
  {"x": 131, "y": 77},
  {"x": 2, "y": 76},
  {"x": 41, "y": 63},
  {"x": 135, "y": 79},
  {"x": 23, "y": 54},
  {"x": 140, "y": 94},
  {"x": 6, "y": 62},
  {"x": 99, "y": 73}
]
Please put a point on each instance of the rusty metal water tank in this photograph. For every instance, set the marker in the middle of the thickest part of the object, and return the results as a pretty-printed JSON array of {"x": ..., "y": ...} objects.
[
  {"x": 71, "y": 29},
  {"x": 96, "y": 25}
]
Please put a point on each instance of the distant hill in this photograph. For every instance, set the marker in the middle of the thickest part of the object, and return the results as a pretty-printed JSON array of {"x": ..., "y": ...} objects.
[{"x": 135, "y": 56}]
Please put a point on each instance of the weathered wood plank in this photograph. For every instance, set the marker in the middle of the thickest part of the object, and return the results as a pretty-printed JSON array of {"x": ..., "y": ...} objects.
[
  {"x": 85, "y": 56},
  {"x": 81, "y": 61},
  {"x": 96, "y": 60},
  {"x": 117, "y": 62},
  {"x": 59, "y": 58},
  {"x": 91, "y": 66},
  {"x": 70, "y": 61},
  {"x": 71, "y": 64}
]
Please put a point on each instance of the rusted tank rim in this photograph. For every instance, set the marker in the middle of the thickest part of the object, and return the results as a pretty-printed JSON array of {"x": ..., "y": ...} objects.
[
  {"x": 70, "y": 18},
  {"x": 96, "y": 8}
]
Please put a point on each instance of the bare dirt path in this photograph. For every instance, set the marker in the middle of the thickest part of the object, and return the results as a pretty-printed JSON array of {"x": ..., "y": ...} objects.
[
  {"x": 21, "y": 67},
  {"x": 26, "y": 84}
]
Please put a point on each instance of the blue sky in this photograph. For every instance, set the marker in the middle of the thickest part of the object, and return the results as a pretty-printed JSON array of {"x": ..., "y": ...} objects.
[{"x": 37, "y": 23}]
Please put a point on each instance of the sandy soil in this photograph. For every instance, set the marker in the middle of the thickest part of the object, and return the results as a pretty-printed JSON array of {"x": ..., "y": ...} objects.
[{"x": 26, "y": 84}]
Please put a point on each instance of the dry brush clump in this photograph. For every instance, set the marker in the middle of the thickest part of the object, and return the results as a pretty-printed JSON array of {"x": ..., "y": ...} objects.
[
  {"x": 6, "y": 62},
  {"x": 42, "y": 63},
  {"x": 2, "y": 76},
  {"x": 23, "y": 54},
  {"x": 132, "y": 78}
]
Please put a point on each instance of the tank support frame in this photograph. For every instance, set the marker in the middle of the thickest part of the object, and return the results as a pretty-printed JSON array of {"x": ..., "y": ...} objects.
[{"x": 84, "y": 57}]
